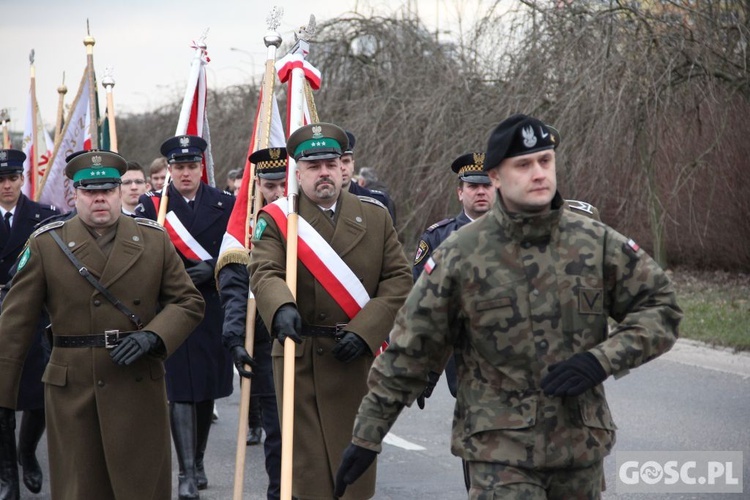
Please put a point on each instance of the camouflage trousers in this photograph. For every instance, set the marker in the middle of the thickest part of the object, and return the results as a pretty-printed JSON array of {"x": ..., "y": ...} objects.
[{"x": 493, "y": 481}]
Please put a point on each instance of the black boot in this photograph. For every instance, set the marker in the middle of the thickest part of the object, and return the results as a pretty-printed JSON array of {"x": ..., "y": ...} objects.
[
  {"x": 32, "y": 428},
  {"x": 255, "y": 424},
  {"x": 9, "y": 488},
  {"x": 204, "y": 416},
  {"x": 182, "y": 421}
]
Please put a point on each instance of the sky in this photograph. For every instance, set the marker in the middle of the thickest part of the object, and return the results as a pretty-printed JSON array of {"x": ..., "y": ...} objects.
[{"x": 146, "y": 43}]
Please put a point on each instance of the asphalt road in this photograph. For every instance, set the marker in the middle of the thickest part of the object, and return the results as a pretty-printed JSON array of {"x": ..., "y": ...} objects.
[{"x": 691, "y": 399}]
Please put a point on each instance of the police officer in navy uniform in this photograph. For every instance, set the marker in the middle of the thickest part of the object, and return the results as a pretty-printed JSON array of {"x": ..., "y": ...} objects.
[
  {"x": 19, "y": 217},
  {"x": 233, "y": 276},
  {"x": 476, "y": 196},
  {"x": 347, "y": 168},
  {"x": 200, "y": 371}
]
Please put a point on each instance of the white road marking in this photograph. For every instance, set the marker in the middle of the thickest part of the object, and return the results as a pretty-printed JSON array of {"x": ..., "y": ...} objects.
[{"x": 394, "y": 440}]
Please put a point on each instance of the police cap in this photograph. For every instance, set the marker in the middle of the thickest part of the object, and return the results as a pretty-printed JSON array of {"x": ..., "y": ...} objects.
[
  {"x": 317, "y": 141},
  {"x": 352, "y": 140},
  {"x": 95, "y": 169},
  {"x": 11, "y": 161},
  {"x": 519, "y": 135},
  {"x": 270, "y": 163},
  {"x": 184, "y": 149},
  {"x": 470, "y": 168}
]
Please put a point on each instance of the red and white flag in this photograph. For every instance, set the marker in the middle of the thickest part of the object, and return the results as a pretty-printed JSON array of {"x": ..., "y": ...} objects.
[
  {"x": 238, "y": 226},
  {"x": 193, "y": 118},
  {"x": 57, "y": 189},
  {"x": 36, "y": 144}
]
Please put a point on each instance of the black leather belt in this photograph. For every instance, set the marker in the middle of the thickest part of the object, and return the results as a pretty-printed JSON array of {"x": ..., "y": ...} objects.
[
  {"x": 108, "y": 340},
  {"x": 320, "y": 331}
]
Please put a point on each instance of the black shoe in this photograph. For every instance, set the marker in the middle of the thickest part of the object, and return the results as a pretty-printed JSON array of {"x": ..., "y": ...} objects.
[
  {"x": 254, "y": 436},
  {"x": 32, "y": 472},
  {"x": 201, "y": 481},
  {"x": 186, "y": 488}
]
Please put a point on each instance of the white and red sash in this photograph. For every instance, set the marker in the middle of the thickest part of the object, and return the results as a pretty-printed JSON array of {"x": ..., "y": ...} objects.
[
  {"x": 181, "y": 238},
  {"x": 322, "y": 261},
  {"x": 326, "y": 266}
]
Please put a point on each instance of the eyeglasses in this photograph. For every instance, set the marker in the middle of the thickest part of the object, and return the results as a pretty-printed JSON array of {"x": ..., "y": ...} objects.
[{"x": 137, "y": 182}]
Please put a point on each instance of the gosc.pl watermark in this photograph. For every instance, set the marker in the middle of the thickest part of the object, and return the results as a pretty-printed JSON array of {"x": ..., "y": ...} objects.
[{"x": 679, "y": 471}]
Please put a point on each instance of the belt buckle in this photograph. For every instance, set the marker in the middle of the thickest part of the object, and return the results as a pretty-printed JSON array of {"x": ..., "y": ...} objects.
[{"x": 108, "y": 334}]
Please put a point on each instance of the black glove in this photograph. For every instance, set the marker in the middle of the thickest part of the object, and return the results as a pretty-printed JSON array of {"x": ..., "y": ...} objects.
[
  {"x": 574, "y": 376},
  {"x": 287, "y": 323},
  {"x": 432, "y": 378},
  {"x": 136, "y": 345},
  {"x": 202, "y": 272},
  {"x": 354, "y": 463},
  {"x": 349, "y": 347},
  {"x": 242, "y": 358}
]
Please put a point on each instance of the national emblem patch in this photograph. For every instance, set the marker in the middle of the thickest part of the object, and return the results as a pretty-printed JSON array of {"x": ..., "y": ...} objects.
[{"x": 429, "y": 266}]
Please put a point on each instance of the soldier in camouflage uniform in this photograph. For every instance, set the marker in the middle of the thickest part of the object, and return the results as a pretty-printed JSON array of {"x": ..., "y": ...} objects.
[{"x": 522, "y": 296}]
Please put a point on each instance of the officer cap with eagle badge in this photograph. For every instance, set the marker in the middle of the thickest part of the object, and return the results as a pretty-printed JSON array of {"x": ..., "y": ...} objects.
[
  {"x": 317, "y": 141},
  {"x": 270, "y": 163},
  {"x": 184, "y": 149},
  {"x": 519, "y": 135},
  {"x": 11, "y": 161},
  {"x": 95, "y": 169},
  {"x": 470, "y": 168}
]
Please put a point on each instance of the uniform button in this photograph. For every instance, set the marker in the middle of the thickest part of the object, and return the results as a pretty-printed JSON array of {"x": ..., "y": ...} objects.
[
  {"x": 526, "y": 244},
  {"x": 535, "y": 292},
  {"x": 543, "y": 344},
  {"x": 137, "y": 301},
  {"x": 97, "y": 303},
  {"x": 319, "y": 350},
  {"x": 100, "y": 383},
  {"x": 322, "y": 316}
]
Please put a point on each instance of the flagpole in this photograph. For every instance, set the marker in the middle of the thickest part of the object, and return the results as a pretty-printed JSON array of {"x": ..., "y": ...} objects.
[
  {"x": 93, "y": 125},
  {"x": 108, "y": 83},
  {"x": 260, "y": 140},
  {"x": 61, "y": 90},
  {"x": 182, "y": 121},
  {"x": 33, "y": 176},
  {"x": 296, "y": 97}
]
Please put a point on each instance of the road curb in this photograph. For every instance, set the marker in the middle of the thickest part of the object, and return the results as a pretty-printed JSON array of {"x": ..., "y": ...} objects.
[{"x": 695, "y": 353}]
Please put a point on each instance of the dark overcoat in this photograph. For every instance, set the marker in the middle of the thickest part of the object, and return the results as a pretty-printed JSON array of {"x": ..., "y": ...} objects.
[
  {"x": 26, "y": 216},
  {"x": 327, "y": 391},
  {"x": 201, "y": 369},
  {"x": 107, "y": 425}
]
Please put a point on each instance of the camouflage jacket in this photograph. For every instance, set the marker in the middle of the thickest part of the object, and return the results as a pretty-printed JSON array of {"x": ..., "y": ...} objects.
[{"x": 512, "y": 295}]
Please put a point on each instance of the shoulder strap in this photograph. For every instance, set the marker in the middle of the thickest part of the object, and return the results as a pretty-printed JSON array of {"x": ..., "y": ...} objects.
[{"x": 96, "y": 284}]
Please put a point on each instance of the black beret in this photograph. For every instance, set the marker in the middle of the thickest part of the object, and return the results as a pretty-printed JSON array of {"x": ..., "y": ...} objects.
[
  {"x": 470, "y": 168},
  {"x": 184, "y": 148},
  {"x": 270, "y": 163},
  {"x": 11, "y": 161},
  {"x": 519, "y": 135}
]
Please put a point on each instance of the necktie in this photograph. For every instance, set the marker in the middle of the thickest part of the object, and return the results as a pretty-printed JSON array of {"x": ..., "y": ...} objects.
[
  {"x": 8, "y": 215},
  {"x": 191, "y": 204},
  {"x": 329, "y": 212}
]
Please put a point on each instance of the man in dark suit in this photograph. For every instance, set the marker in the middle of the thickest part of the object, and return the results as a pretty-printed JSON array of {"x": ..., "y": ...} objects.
[
  {"x": 107, "y": 421},
  {"x": 19, "y": 216},
  {"x": 201, "y": 369}
]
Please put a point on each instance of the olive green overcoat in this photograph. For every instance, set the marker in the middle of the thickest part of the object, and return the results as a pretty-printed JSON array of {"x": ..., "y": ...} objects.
[
  {"x": 107, "y": 425},
  {"x": 327, "y": 391}
]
